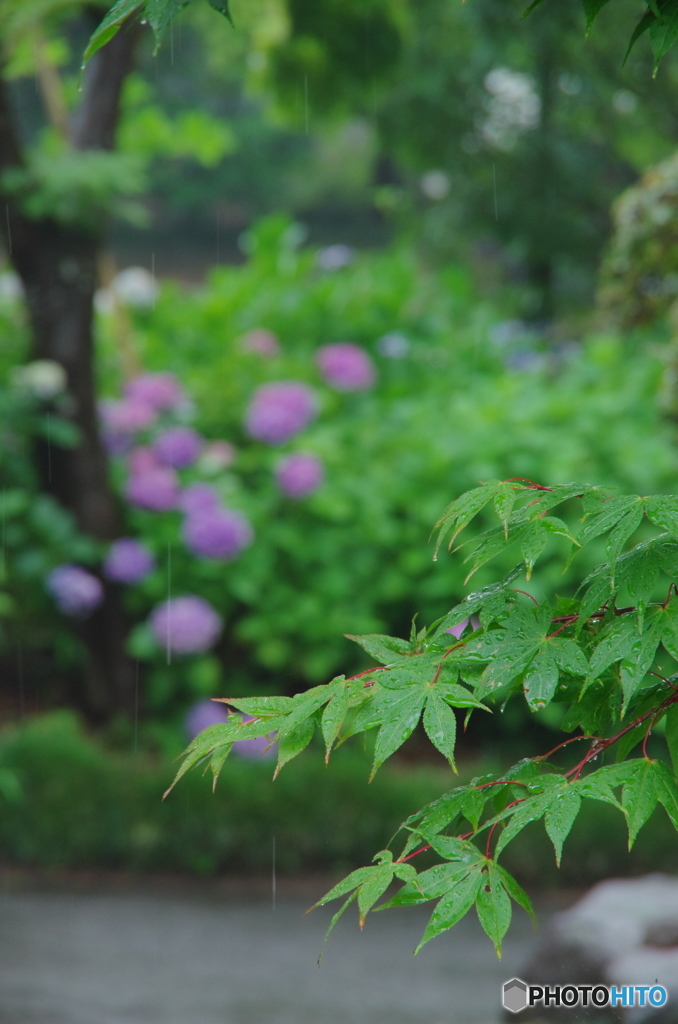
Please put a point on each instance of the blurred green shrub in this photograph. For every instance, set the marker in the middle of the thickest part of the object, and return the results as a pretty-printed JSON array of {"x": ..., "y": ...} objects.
[
  {"x": 102, "y": 809},
  {"x": 463, "y": 393}
]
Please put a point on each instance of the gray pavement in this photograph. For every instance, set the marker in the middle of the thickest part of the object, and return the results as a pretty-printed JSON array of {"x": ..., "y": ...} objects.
[{"x": 185, "y": 957}]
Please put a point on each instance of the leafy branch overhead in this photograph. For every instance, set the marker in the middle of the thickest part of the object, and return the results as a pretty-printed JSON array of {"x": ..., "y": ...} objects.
[
  {"x": 157, "y": 13},
  {"x": 660, "y": 20},
  {"x": 608, "y": 656}
]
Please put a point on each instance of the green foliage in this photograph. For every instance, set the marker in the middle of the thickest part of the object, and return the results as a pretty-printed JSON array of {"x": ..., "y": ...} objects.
[
  {"x": 660, "y": 20},
  {"x": 101, "y": 808},
  {"x": 158, "y": 13},
  {"x": 76, "y": 187},
  {"x": 457, "y": 407},
  {"x": 613, "y": 665}
]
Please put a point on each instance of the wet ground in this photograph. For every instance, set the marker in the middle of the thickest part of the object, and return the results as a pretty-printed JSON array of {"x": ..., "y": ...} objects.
[{"x": 202, "y": 955}]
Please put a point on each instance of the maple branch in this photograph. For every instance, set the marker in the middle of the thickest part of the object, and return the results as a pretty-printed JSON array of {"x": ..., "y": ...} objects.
[{"x": 603, "y": 745}]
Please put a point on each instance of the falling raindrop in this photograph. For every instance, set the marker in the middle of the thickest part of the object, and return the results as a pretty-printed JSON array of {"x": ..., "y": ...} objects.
[
  {"x": 494, "y": 187},
  {"x": 169, "y": 603},
  {"x": 306, "y": 100},
  {"x": 9, "y": 230},
  {"x": 273, "y": 878},
  {"x": 3, "y": 554},
  {"x": 22, "y": 688},
  {"x": 136, "y": 706},
  {"x": 49, "y": 447}
]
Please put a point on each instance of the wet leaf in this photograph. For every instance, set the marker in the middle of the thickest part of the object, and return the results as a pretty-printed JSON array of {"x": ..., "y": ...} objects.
[
  {"x": 560, "y": 817},
  {"x": 493, "y": 905}
]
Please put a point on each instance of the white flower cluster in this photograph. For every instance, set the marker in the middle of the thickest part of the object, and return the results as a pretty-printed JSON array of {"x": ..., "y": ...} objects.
[{"x": 513, "y": 108}]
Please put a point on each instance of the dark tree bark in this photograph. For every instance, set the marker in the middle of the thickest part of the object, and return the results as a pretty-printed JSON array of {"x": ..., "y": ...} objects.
[{"x": 57, "y": 263}]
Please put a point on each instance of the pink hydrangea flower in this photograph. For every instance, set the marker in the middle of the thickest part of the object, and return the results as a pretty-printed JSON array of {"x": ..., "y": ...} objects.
[
  {"x": 346, "y": 367},
  {"x": 156, "y": 490},
  {"x": 198, "y": 498},
  {"x": 128, "y": 561},
  {"x": 279, "y": 411},
  {"x": 185, "y": 625},
  {"x": 202, "y": 715},
  {"x": 75, "y": 591},
  {"x": 161, "y": 391},
  {"x": 261, "y": 341},
  {"x": 177, "y": 447},
  {"x": 142, "y": 460},
  {"x": 217, "y": 533},
  {"x": 299, "y": 474}
]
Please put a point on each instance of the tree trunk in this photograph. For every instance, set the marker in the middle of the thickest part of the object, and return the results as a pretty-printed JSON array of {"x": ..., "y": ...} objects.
[{"x": 57, "y": 263}]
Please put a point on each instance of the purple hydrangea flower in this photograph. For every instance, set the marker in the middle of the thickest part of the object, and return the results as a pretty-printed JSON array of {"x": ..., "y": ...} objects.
[
  {"x": 259, "y": 746},
  {"x": 161, "y": 391},
  {"x": 279, "y": 411},
  {"x": 185, "y": 625},
  {"x": 299, "y": 474},
  {"x": 177, "y": 447},
  {"x": 116, "y": 443},
  {"x": 217, "y": 533},
  {"x": 156, "y": 490},
  {"x": 260, "y": 341},
  {"x": 128, "y": 561},
  {"x": 202, "y": 715},
  {"x": 198, "y": 498},
  {"x": 346, "y": 367},
  {"x": 126, "y": 417},
  {"x": 76, "y": 591}
]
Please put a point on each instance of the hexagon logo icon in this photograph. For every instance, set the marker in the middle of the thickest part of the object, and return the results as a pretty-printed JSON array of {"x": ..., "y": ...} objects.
[{"x": 514, "y": 995}]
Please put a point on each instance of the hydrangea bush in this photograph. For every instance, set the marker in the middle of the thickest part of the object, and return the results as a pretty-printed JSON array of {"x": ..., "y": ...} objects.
[
  {"x": 606, "y": 658},
  {"x": 461, "y": 392}
]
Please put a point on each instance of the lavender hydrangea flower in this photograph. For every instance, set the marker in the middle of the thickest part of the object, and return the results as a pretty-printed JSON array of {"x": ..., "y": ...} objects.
[
  {"x": 279, "y": 411},
  {"x": 75, "y": 591},
  {"x": 202, "y": 715},
  {"x": 217, "y": 533},
  {"x": 128, "y": 561},
  {"x": 346, "y": 367},
  {"x": 299, "y": 474},
  {"x": 335, "y": 257},
  {"x": 260, "y": 341},
  {"x": 198, "y": 498},
  {"x": 457, "y": 630},
  {"x": 126, "y": 416},
  {"x": 185, "y": 625},
  {"x": 177, "y": 447},
  {"x": 156, "y": 490},
  {"x": 162, "y": 391}
]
